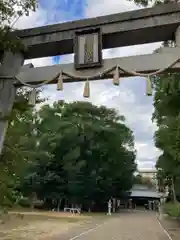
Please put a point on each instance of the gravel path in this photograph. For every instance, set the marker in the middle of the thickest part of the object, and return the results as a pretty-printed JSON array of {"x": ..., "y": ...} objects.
[{"x": 125, "y": 226}]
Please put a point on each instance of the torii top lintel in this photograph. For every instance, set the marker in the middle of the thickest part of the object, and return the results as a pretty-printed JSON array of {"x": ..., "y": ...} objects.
[{"x": 122, "y": 29}]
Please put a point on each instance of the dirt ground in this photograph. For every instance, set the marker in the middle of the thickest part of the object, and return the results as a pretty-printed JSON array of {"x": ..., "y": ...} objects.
[
  {"x": 37, "y": 225},
  {"x": 172, "y": 226}
]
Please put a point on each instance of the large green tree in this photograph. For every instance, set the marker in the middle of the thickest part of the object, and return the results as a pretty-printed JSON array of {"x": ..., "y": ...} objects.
[
  {"x": 167, "y": 137},
  {"x": 88, "y": 154},
  {"x": 19, "y": 145}
]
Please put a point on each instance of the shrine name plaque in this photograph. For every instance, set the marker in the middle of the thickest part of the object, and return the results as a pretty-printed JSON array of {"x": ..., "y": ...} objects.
[{"x": 88, "y": 49}]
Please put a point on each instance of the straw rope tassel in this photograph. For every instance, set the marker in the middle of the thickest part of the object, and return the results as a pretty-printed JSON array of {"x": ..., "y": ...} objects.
[
  {"x": 32, "y": 97},
  {"x": 60, "y": 82},
  {"x": 87, "y": 89},
  {"x": 116, "y": 77},
  {"x": 148, "y": 86}
]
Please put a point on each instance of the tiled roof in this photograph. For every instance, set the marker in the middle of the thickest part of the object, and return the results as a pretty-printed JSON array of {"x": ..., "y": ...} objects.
[{"x": 144, "y": 191}]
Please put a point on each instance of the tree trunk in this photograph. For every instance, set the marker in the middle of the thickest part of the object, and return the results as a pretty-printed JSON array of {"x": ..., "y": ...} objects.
[{"x": 59, "y": 205}]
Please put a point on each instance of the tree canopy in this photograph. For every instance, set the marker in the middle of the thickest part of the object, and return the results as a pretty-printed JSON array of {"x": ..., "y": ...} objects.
[
  {"x": 10, "y": 12},
  {"x": 77, "y": 153},
  {"x": 167, "y": 137},
  {"x": 85, "y": 154},
  {"x": 145, "y": 3}
]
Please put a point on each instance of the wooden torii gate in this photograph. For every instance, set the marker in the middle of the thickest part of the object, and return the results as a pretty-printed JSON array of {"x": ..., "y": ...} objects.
[{"x": 87, "y": 38}]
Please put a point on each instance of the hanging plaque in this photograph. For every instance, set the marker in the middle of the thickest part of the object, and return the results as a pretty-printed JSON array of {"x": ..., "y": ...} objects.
[{"x": 88, "y": 49}]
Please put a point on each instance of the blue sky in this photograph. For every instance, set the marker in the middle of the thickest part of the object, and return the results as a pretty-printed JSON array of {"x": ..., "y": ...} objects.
[
  {"x": 71, "y": 9},
  {"x": 129, "y": 99}
]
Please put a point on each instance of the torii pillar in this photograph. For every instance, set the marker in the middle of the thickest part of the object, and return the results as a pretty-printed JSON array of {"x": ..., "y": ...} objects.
[{"x": 9, "y": 68}]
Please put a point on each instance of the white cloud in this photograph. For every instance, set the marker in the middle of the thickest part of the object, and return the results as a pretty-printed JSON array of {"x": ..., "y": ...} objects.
[
  {"x": 103, "y": 7},
  {"x": 35, "y": 19},
  {"x": 146, "y": 154}
]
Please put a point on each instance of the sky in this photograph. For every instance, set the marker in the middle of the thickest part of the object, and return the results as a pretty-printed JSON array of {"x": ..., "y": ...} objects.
[{"x": 129, "y": 98}]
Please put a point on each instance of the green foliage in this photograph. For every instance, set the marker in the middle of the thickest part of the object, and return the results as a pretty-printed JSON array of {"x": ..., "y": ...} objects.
[
  {"x": 166, "y": 102},
  {"x": 76, "y": 151},
  {"x": 17, "y": 151},
  {"x": 172, "y": 209},
  {"x": 85, "y": 153},
  {"x": 25, "y": 202},
  {"x": 146, "y": 3},
  {"x": 139, "y": 179},
  {"x": 10, "y": 12},
  {"x": 167, "y": 137},
  {"x": 141, "y": 2}
]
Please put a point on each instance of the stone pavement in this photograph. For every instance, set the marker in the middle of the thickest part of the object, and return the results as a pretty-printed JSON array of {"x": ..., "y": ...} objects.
[{"x": 124, "y": 226}]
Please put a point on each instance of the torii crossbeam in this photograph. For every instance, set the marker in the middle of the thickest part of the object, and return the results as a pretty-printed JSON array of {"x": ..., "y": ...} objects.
[
  {"x": 142, "y": 63},
  {"x": 149, "y": 25}
]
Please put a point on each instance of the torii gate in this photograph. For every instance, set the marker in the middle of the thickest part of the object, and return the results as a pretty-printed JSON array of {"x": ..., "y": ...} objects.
[{"x": 86, "y": 38}]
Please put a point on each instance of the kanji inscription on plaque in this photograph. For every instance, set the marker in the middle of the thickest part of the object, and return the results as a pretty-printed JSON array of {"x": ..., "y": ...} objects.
[{"x": 88, "y": 50}]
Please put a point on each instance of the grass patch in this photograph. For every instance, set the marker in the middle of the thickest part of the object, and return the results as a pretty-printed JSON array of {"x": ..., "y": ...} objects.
[
  {"x": 27, "y": 224},
  {"x": 35, "y": 225},
  {"x": 172, "y": 209},
  {"x": 94, "y": 214}
]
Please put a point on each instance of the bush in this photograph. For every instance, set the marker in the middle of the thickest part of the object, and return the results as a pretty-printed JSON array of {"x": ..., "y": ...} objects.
[
  {"x": 24, "y": 202},
  {"x": 172, "y": 209}
]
